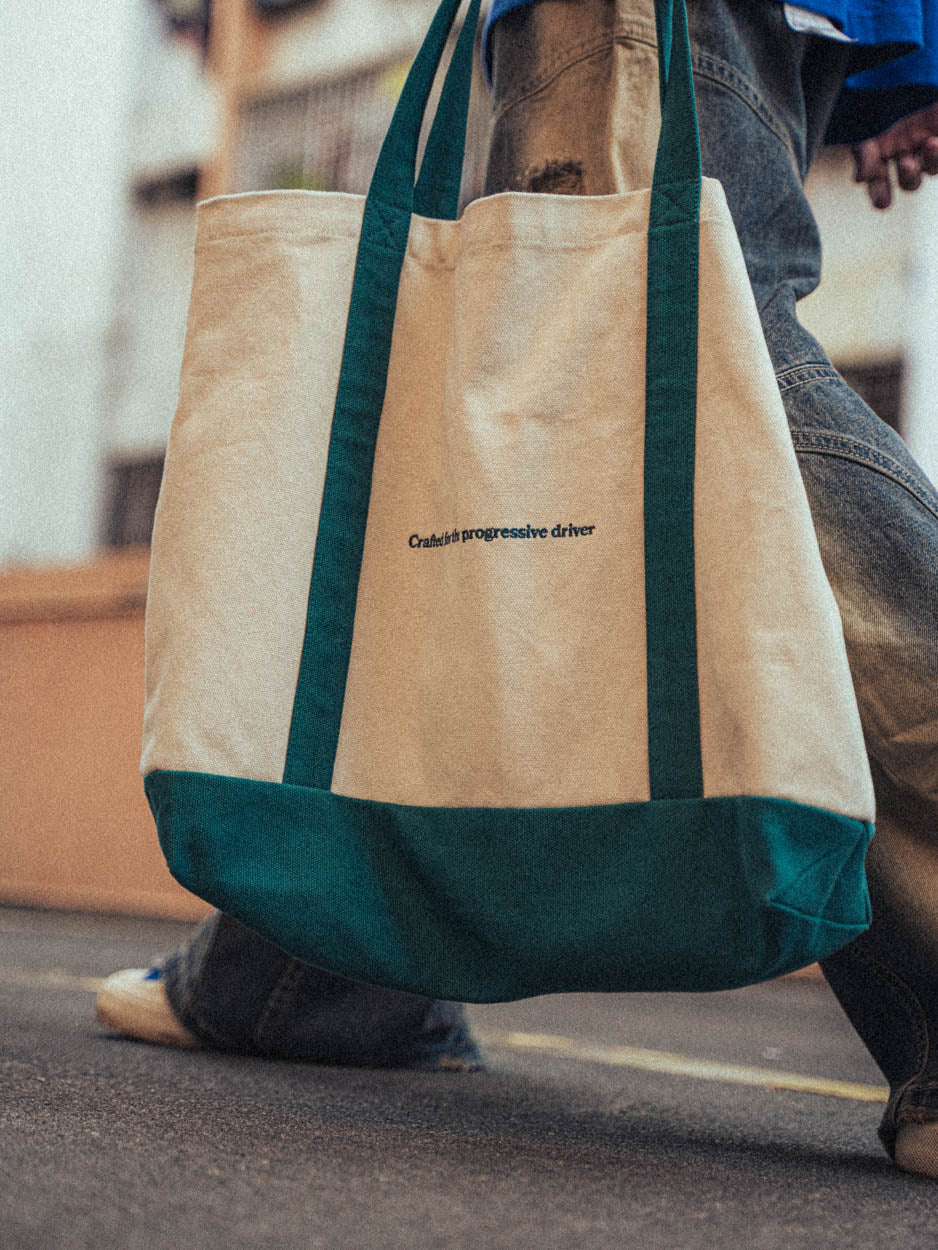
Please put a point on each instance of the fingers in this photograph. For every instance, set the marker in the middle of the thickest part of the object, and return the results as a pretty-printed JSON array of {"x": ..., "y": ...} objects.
[
  {"x": 911, "y": 167},
  {"x": 909, "y": 172},
  {"x": 911, "y": 145},
  {"x": 910, "y": 135},
  {"x": 874, "y": 159},
  {"x": 880, "y": 192},
  {"x": 869, "y": 161},
  {"x": 872, "y": 169}
]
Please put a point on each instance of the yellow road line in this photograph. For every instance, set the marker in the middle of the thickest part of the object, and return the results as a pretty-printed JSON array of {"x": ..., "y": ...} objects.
[
  {"x": 568, "y": 1048},
  {"x": 683, "y": 1065}
]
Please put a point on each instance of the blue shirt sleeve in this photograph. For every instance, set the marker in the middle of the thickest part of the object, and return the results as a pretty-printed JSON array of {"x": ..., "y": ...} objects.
[
  {"x": 872, "y": 23},
  {"x": 873, "y": 101}
]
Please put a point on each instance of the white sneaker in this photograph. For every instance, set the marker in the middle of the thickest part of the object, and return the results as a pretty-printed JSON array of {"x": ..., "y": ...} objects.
[
  {"x": 134, "y": 1002},
  {"x": 917, "y": 1149}
]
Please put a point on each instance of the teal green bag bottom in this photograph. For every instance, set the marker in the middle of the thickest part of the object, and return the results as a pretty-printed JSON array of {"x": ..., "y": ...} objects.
[{"x": 493, "y": 904}]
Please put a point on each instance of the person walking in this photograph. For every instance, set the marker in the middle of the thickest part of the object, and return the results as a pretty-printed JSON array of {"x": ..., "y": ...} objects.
[{"x": 575, "y": 98}]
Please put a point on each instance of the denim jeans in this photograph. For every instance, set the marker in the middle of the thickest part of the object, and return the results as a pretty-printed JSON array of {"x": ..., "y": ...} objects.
[
  {"x": 575, "y": 100},
  {"x": 236, "y": 991},
  {"x": 576, "y": 111}
]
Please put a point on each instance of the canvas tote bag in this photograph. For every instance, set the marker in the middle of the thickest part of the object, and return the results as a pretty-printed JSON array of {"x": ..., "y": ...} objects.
[{"x": 489, "y": 648}]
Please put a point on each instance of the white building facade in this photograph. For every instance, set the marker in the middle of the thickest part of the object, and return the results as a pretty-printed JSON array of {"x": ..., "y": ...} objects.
[
  {"x": 67, "y": 77},
  {"x": 114, "y": 121}
]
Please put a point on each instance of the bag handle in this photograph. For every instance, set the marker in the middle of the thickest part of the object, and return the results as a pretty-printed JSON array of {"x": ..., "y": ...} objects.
[
  {"x": 675, "y": 765},
  {"x": 437, "y": 191},
  {"x": 394, "y": 178}
]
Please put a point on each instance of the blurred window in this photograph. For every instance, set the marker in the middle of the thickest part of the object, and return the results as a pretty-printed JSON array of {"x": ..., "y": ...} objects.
[
  {"x": 133, "y": 485},
  {"x": 880, "y": 384},
  {"x": 281, "y": 6},
  {"x": 324, "y": 137},
  {"x": 192, "y": 18},
  {"x": 327, "y": 135}
]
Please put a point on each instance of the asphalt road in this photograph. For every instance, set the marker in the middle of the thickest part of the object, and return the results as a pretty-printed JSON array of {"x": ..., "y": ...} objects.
[{"x": 673, "y": 1121}]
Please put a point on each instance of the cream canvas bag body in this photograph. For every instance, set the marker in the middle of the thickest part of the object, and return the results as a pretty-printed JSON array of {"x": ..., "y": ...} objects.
[{"x": 489, "y": 650}]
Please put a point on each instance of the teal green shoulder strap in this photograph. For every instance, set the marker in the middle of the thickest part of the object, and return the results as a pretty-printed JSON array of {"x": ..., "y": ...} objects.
[{"x": 674, "y": 762}]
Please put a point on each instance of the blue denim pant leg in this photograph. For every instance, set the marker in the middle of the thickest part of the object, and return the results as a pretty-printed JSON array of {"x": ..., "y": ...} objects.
[
  {"x": 574, "y": 88},
  {"x": 876, "y": 517},
  {"x": 236, "y": 991}
]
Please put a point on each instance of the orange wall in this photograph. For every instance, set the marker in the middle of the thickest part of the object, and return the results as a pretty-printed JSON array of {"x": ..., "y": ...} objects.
[{"x": 75, "y": 829}]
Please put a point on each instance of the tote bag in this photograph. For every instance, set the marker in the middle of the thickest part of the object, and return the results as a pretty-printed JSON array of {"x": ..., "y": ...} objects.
[{"x": 489, "y": 650}]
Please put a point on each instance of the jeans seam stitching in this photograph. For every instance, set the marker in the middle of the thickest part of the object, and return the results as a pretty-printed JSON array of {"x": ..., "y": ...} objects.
[
  {"x": 706, "y": 64},
  {"x": 189, "y": 1013},
  {"x": 719, "y": 72},
  {"x": 814, "y": 371},
  {"x": 900, "y": 984},
  {"x": 848, "y": 449},
  {"x": 191, "y": 1018},
  {"x": 919, "y": 1026},
  {"x": 286, "y": 982},
  {"x": 572, "y": 55}
]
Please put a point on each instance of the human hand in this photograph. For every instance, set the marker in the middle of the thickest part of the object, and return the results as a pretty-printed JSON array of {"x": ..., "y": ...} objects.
[{"x": 911, "y": 144}]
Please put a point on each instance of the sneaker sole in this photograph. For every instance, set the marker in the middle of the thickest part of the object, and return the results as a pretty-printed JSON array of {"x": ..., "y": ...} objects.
[{"x": 140, "y": 1009}]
